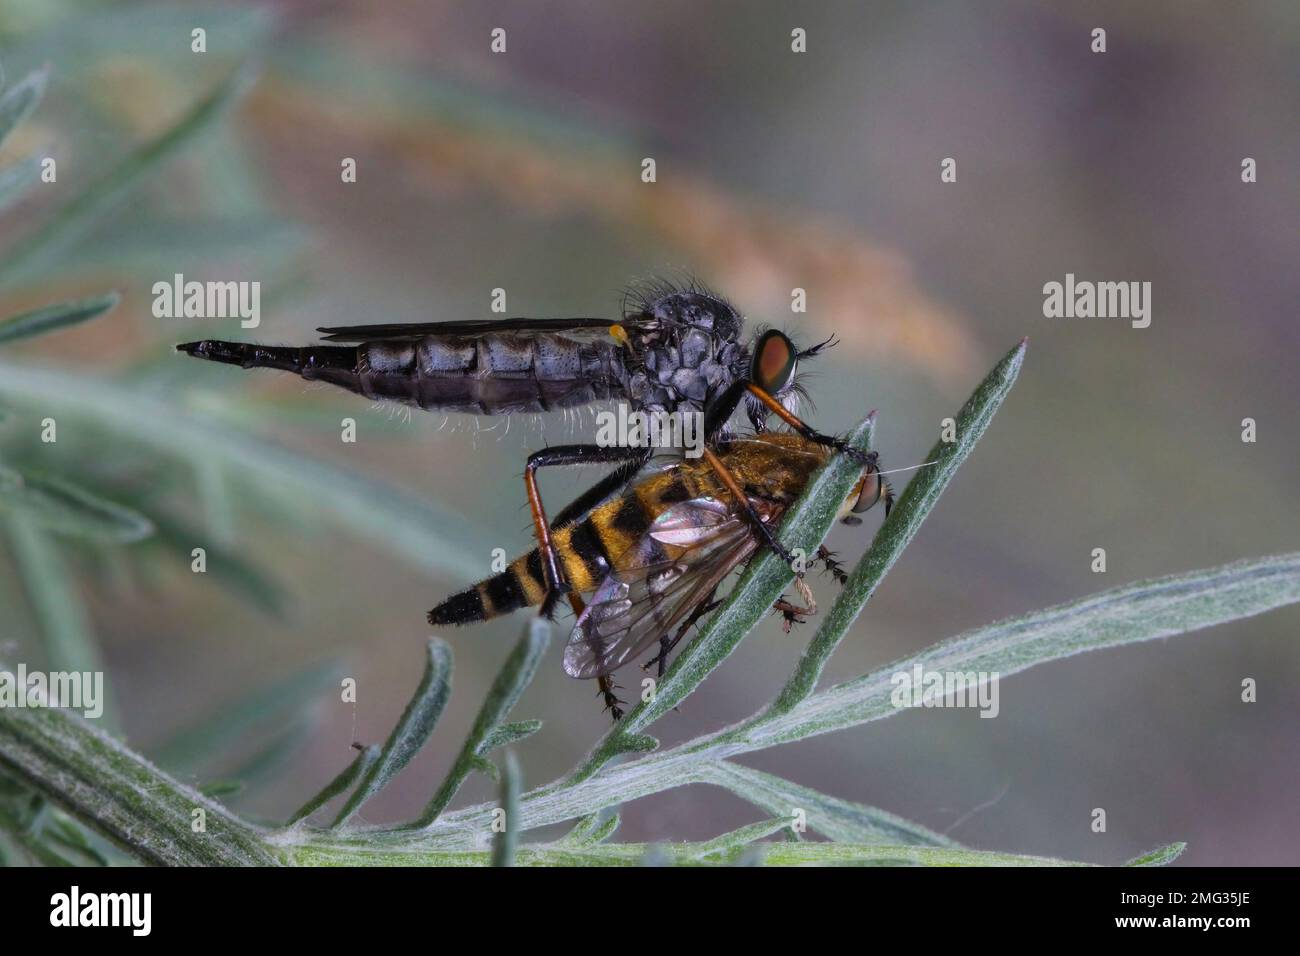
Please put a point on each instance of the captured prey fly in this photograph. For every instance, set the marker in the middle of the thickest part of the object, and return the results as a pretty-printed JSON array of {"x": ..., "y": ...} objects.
[
  {"x": 675, "y": 350},
  {"x": 653, "y": 558}
]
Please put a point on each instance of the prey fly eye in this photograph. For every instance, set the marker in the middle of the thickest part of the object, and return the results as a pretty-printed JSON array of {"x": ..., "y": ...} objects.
[
  {"x": 774, "y": 362},
  {"x": 869, "y": 494}
]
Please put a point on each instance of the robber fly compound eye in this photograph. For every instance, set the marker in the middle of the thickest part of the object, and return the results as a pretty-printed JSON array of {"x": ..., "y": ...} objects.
[{"x": 774, "y": 362}]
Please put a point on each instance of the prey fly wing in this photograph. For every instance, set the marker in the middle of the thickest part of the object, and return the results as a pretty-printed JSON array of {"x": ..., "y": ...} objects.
[{"x": 674, "y": 567}]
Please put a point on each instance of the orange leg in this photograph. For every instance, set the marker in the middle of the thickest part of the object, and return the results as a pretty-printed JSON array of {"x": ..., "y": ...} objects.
[
  {"x": 806, "y": 430},
  {"x": 742, "y": 500},
  {"x": 555, "y": 583}
]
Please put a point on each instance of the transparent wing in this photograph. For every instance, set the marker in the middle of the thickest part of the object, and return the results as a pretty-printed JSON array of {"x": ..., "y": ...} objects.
[
  {"x": 650, "y": 595},
  {"x": 468, "y": 327}
]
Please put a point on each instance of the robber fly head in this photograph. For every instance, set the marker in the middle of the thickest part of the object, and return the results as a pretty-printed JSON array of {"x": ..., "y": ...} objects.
[{"x": 774, "y": 367}]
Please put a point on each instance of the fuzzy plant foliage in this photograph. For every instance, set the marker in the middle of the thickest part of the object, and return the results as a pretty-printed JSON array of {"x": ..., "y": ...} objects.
[
  {"x": 72, "y": 792},
  {"x": 96, "y": 781}
]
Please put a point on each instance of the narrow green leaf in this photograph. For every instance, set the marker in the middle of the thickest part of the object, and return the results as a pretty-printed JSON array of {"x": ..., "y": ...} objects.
[
  {"x": 412, "y": 730},
  {"x": 912, "y": 508},
  {"x": 64, "y": 508},
  {"x": 510, "y": 733},
  {"x": 596, "y": 828},
  {"x": 638, "y": 744},
  {"x": 425, "y": 533},
  {"x": 804, "y": 527},
  {"x": 1144, "y": 611},
  {"x": 1160, "y": 856},
  {"x": 840, "y": 820},
  {"x": 88, "y": 207},
  {"x": 514, "y": 676},
  {"x": 52, "y": 317},
  {"x": 19, "y": 102},
  {"x": 728, "y": 846},
  {"x": 366, "y": 758},
  {"x": 505, "y": 842}
]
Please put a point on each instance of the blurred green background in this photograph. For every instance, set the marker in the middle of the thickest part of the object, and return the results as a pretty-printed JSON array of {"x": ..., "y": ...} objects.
[{"x": 775, "y": 170}]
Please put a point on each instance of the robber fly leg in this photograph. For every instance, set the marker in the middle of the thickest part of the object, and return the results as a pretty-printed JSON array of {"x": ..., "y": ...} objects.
[
  {"x": 827, "y": 557},
  {"x": 631, "y": 460},
  {"x": 807, "y": 431}
]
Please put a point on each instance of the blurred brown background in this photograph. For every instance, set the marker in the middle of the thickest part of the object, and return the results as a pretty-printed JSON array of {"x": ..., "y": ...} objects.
[{"x": 775, "y": 170}]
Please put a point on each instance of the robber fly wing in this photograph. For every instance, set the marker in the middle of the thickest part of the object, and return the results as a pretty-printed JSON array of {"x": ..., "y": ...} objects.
[
  {"x": 468, "y": 327},
  {"x": 643, "y": 601}
]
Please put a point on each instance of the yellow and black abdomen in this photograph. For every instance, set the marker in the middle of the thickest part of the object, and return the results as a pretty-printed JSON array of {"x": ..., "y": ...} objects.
[
  {"x": 587, "y": 551},
  {"x": 773, "y": 465}
]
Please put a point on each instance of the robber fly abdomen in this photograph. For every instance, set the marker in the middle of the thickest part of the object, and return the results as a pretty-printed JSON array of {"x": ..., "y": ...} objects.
[{"x": 491, "y": 374}]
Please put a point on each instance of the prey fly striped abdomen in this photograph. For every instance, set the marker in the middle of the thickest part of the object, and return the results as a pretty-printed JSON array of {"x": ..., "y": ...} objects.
[{"x": 652, "y": 558}]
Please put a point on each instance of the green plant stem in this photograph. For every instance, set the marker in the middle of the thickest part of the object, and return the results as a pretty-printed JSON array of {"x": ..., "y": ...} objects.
[
  {"x": 123, "y": 796},
  {"x": 725, "y": 850}
]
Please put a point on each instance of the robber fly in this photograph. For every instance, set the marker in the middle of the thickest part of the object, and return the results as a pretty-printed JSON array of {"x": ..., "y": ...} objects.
[
  {"x": 675, "y": 350},
  {"x": 653, "y": 558}
]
